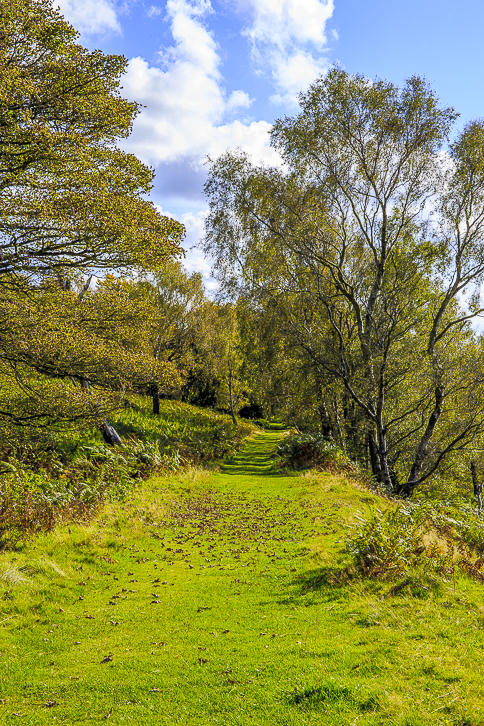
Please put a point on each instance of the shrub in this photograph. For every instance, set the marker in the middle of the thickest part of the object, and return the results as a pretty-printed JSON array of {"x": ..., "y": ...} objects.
[
  {"x": 313, "y": 450},
  {"x": 388, "y": 544}
]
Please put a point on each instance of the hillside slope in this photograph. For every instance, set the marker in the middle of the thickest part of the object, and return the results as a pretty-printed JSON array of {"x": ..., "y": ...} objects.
[{"x": 210, "y": 599}]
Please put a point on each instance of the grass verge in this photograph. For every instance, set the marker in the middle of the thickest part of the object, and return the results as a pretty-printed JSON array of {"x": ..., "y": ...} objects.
[{"x": 68, "y": 476}]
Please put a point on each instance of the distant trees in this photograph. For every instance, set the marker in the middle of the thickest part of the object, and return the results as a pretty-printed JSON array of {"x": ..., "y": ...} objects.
[
  {"x": 173, "y": 327},
  {"x": 232, "y": 386},
  {"x": 352, "y": 272},
  {"x": 368, "y": 243}
]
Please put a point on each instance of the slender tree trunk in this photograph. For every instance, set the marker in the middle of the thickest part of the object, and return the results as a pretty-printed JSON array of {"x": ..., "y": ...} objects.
[
  {"x": 231, "y": 397},
  {"x": 413, "y": 479},
  {"x": 325, "y": 421},
  {"x": 155, "y": 396},
  {"x": 383, "y": 457},
  {"x": 339, "y": 430},
  {"x": 374, "y": 458},
  {"x": 381, "y": 435},
  {"x": 477, "y": 486}
]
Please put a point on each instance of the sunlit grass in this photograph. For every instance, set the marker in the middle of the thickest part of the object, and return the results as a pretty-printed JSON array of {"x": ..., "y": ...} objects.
[
  {"x": 198, "y": 434},
  {"x": 71, "y": 475},
  {"x": 214, "y": 598}
]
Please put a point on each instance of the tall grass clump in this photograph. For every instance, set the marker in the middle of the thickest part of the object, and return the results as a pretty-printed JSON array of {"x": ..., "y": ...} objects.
[{"x": 389, "y": 544}]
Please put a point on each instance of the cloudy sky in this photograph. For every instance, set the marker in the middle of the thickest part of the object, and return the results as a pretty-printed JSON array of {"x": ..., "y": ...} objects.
[{"x": 214, "y": 74}]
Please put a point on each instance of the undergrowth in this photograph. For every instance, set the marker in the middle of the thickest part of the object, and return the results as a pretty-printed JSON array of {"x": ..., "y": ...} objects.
[
  {"x": 391, "y": 543},
  {"x": 313, "y": 450},
  {"x": 67, "y": 476}
]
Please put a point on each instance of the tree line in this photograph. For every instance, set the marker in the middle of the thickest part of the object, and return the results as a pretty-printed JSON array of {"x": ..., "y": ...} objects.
[
  {"x": 349, "y": 275},
  {"x": 94, "y": 301}
]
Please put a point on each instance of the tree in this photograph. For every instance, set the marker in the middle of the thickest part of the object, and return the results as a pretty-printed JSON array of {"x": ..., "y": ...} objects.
[
  {"x": 230, "y": 363},
  {"x": 72, "y": 203},
  {"x": 69, "y": 198},
  {"x": 175, "y": 324},
  {"x": 369, "y": 240},
  {"x": 71, "y": 358}
]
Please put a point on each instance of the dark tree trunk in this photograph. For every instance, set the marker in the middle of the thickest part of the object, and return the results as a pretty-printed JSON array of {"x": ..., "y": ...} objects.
[
  {"x": 381, "y": 434},
  {"x": 477, "y": 486},
  {"x": 374, "y": 458},
  {"x": 413, "y": 479},
  {"x": 155, "y": 396},
  {"x": 325, "y": 421}
]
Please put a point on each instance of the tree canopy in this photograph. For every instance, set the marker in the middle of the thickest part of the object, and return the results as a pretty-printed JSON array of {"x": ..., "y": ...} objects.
[
  {"x": 72, "y": 204},
  {"x": 69, "y": 197},
  {"x": 349, "y": 274}
]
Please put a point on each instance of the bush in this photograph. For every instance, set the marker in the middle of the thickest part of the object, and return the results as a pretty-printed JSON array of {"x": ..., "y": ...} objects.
[
  {"x": 388, "y": 544},
  {"x": 313, "y": 450}
]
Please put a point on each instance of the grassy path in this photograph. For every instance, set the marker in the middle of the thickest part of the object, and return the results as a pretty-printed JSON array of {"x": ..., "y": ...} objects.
[{"x": 207, "y": 600}]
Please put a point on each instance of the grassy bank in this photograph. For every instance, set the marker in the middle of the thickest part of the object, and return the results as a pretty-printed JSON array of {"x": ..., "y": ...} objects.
[
  {"x": 68, "y": 475},
  {"x": 212, "y": 598}
]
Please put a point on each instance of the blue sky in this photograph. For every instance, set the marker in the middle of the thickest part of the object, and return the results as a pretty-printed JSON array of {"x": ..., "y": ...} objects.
[{"x": 214, "y": 74}]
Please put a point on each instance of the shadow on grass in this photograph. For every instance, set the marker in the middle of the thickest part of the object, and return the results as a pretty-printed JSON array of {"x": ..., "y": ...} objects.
[
  {"x": 329, "y": 694},
  {"x": 252, "y": 470},
  {"x": 329, "y": 582},
  {"x": 332, "y": 583},
  {"x": 324, "y": 578}
]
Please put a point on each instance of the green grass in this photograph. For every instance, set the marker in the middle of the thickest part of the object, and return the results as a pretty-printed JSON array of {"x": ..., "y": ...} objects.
[
  {"x": 70, "y": 475},
  {"x": 212, "y": 599},
  {"x": 197, "y": 434}
]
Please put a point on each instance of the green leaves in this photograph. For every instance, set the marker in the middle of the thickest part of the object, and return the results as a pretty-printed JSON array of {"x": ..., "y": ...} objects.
[
  {"x": 68, "y": 196},
  {"x": 366, "y": 247},
  {"x": 71, "y": 203}
]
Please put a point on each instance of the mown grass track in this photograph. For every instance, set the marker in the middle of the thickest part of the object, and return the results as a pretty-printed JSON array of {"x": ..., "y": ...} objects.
[{"x": 208, "y": 599}]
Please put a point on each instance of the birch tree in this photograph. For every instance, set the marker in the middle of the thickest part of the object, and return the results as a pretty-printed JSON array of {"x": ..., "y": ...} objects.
[{"x": 369, "y": 238}]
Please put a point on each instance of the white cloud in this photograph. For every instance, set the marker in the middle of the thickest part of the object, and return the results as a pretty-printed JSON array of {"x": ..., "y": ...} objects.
[
  {"x": 238, "y": 99},
  {"x": 90, "y": 16},
  {"x": 194, "y": 44},
  {"x": 194, "y": 259},
  {"x": 187, "y": 115},
  {"x": 281, "y": 22},
  {"x": 153, "y": 11},
  {"x": 186, "y": 106},
  {"x": 290, "y": 37},
  {"x": 293, "y": 74}
]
